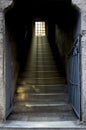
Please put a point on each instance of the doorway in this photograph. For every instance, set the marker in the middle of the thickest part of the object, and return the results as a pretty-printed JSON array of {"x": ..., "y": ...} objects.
[{"x": 59, "y": 43}]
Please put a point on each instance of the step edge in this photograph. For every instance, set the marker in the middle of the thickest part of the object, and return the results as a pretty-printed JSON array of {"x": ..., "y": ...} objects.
[{"x": 43, "y": 124}]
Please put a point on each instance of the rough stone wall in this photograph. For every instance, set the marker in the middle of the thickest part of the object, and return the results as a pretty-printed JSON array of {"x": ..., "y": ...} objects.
[
  {"x": 62, "y": 41},
  {"x": 15, "y": 67},
  {"x": 2, "y": 89},
  {"x": 3, "y": 5}
]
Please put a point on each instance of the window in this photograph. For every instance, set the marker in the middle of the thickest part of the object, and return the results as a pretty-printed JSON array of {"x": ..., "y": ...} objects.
[{"x": 39, "y": 28}]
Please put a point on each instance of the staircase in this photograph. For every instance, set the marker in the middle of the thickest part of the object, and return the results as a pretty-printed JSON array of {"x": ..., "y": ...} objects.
[{"x": 41, "y": 99}]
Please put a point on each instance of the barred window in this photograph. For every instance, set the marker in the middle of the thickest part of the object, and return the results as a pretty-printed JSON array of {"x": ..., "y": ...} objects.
[{"x": 39, "y": 28}]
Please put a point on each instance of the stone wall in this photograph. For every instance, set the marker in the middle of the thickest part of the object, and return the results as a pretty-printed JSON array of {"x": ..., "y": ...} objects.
[
  {"x": 2, "y": 87},
  {"x": 64, "y": 42},
  {"x": 15, "y": 67},
  {"x": 3, "y": 5},
  {"x": 66, "y": 37}
]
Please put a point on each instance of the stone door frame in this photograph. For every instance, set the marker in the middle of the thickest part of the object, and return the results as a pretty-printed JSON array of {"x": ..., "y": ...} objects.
[{"x": 6, "y": 4}]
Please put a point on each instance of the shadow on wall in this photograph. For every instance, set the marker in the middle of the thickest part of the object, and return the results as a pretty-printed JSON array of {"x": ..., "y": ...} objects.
[{"x": 64, "y": 38}]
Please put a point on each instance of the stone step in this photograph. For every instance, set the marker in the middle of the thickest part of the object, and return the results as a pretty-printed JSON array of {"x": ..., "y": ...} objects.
[
  {"x": 40, "y": 53},
  {"x": 43, "y": 116},
  {"x": 24, "y": 88},
  {"x": 35, "y": 47},
  {"x": 41, "y": 74},
  {"x": 43, "y": 71},
  {"x": 43, "y": 62},
  {"x": 41, "y": 65},
  {"x": 40, "y": 68},
  {"x": 41, "y": 59},
  {"x": 44, "y": 125},
  {"x": 42, "y": 81},
  {"x": 26, "y": 107},
  {"x": 41, "y": 97},
  {"x": 38, "y": 44},
  {"x": 43, "y": 46},
  {"x": 40, "y": 49},
  {"x": 40, "y": 56}
]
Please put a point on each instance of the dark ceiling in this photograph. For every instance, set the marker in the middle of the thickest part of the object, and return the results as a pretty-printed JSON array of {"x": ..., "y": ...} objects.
[
  {"x": 38, "y": 2},
  {"x": 41, "y": 8},
  {"x": 59, "y": 12}
]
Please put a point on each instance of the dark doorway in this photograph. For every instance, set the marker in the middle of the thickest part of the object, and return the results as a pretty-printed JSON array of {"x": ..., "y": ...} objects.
[{"x": 40, "y": 63}]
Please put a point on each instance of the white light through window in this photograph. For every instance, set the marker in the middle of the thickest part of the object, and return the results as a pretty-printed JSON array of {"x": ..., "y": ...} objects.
[{"x": 39, "y": 28}]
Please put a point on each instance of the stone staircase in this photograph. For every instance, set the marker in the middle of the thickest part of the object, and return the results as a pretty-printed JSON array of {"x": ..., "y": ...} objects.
[{"x": 41, "y": 99}]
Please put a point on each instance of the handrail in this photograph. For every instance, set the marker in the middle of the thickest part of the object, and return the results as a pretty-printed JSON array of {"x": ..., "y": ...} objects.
[
  {"x": 75, "y": 44},
  {"x": 76, "y": 84}
]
